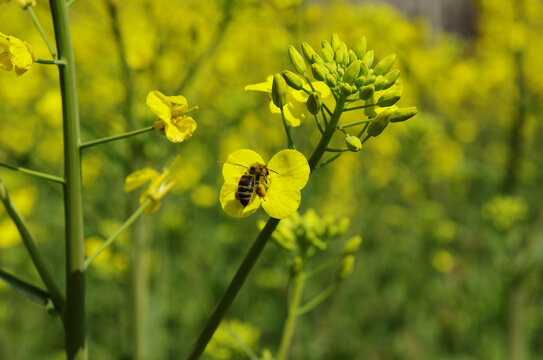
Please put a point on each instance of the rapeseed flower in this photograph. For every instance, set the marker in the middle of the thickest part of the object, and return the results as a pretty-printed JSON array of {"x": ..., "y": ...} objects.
[
  {"x": 160, "y": 185},
  {"x": 172, "y": 120},
  {"x": 295, "y": 110},
  {"x": 288, "y": 174},
  {"x": 15, "y": 54}
]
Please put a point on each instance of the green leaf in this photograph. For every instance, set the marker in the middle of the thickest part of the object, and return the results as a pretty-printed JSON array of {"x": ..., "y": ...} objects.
[{"x": 32, "y": 292}]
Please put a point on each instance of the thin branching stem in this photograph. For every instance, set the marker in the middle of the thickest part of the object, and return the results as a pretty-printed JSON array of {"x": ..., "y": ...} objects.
[
  {"x": 115, "y": 137},
  {"x": 337, "y": 150},
  {"x": 51, "y": 62},
  {"x": 43, "y": 268},
  {"x": 342, "y": 126},
  {"x": 292, "y": 316},
  {"x": 287, "y": 130},
  {"x": 36, "y": 22},
  {"x": 37, "y": 174},
  {"x": 118, "y": 232},
  {"x": 319, "y": 126},
  {"x": 310, "y": 305},
  {"x": 360, "y": 107}
]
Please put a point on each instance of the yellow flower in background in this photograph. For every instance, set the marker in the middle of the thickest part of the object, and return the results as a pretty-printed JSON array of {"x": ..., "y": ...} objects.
[
  {"x": 295, "y": 109},
  {"x": 285, "y": 175},
  {"x": 172, "y": 119},
  {"x": 160, "y": 185},
  {"x": 24, "y": 3},
  {"x": 15, "y": 54}
]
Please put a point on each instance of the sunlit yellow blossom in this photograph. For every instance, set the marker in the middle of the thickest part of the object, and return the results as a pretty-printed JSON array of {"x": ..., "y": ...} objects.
[
  {"x": 24, "y": 3},
  {"x": 288, "y": 174},
  {"x": 160, "y": 185},
  {"x": 15, "y": 54},
  {"x": 172, "y": 120},
  {"x": 295, "y": 109}
]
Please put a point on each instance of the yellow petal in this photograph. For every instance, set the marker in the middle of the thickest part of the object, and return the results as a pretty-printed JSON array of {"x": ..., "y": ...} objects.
[
  {"x": 180, "y": 129},
  {"x": 152, "y": 207},
  {"x": 21, "y": 57},
  {"x": 138, "y": 178},
  {"x": 281, "y": 202},
  {"x": 263, "y": 86},
  {"x": 232, "y": 206},
  {"x": 180, "y": 105},
  {"x": 293, "y": 115},
  {"x": 322, "y": 89},
  {"x": 159, "y": 104},
  {"x": 292, "y": 170},
  {"x": 237, "y": 163}
]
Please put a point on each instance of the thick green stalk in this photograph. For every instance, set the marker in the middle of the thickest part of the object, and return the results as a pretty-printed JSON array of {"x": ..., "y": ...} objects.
[
  {"x": 74, "y": 316},
  {"x": 327, "y": 136},
  {"x": 45, "y": 272},
  {"x": 292, "y": 316},
  {"x": 233, "y": 289}
]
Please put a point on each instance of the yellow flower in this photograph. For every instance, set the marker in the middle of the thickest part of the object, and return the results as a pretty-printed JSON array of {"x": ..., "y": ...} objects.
[
  {"x": 287, "y": 174},
  {"x": 24, "y": 3},
  {"x": 159, "y": 186},
  {"x": 15, "y": 54},
  {"x": 172, "y": 120},
  {"x": 295, "y": 109}
]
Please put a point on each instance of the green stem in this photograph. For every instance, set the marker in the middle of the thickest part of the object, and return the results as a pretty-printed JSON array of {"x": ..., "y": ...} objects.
[
  {"x": 360, "y": 107},
  {"x": 337, "y": 150},
  {"x": 70, "y": 3},
  {"x": 343, "y": 126},
  {"x": 287, "y": 130},
  {"x": 327, "y": 136},
  {"x": 74, "y": 320},
  {"x": 40, "y": 29},
  {"x": 51, "y": 62},
  {"x": 43, "y": 268},
  {"x": 363, "y": 130},
  {"x": 37, "y": 174},
  {"x": 292, "y": 315},
  {"x": 118, "y": 232},
  {"x": 310, "y": 305},
  {"x": 32, "y": 292},
  {"x": 328, "y": 161},
  {"x": 324, "y": 266},
  {"x": 319, "y": 124},
  {"x": 115, "y": 137},
  {"x": 233, "y": 289},
  {"x": 366, "y": 138}
]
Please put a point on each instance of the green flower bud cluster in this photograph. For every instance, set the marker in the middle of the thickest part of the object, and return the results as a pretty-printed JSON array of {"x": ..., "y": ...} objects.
[
  {"x": 307, "y": 234},
  {"x": 346, "y": 71}
]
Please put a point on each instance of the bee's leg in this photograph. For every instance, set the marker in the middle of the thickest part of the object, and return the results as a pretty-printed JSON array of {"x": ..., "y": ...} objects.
[
  {"x": 237, "y": 197},
  {"x": 261, "y": 190}
]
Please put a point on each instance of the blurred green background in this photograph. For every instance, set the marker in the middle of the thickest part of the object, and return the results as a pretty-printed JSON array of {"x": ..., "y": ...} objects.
[{"x": 450, "y": 203}]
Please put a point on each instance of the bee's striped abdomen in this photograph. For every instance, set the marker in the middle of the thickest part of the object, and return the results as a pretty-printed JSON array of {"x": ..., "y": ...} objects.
[{"x": 245, "y": 189}]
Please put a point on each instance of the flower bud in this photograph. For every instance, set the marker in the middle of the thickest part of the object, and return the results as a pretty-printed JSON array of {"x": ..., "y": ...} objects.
[
  {"x": 368, "y": 58},
  {"x": 384, "y": 65},
  {"x": 314, "y": 103},
  {"x": 293, "y": 80},
  {"x": 296, "y": 265},
  {"x": 308, "y": 52},
  {"x": 370, "y": 79},
  {"x": 366, "y": 92},
  {"x": 352, "y": 72},
  {"x": 379, "y": 123},
  {"x": 297, "y": 60},
  {"x": 319, "y": 72},
  {"x": 317, "y": 59},
  {"x": 388, "y": 99},
  {"x": 352, "y": 56},
  {"x": 332, "y": 67},
  {"x": 353, "y": 143},
  {"x": 346, "y": 89},
  {"x": 330, "y": 81},
  {"x": 345, "y": 51},
  {"x": 380, "y": 83},
  {"x": 346, "y": 268},
  {"x": 335, "y": 41},
  {"x": 360, "y": 48},
  {"x": 391, "y": 77},
  {"x": 403, "y": 114},
  {"x": 328, "y": 55},
  {"x": 364, "y": 70},
  {"x": 279, "y": 91},
  {"x": 339, "y": 57},
  {"x": 352, "y": 245},
  {"x": 360, "y": 81},
  {"x": 25, "y": 3}
]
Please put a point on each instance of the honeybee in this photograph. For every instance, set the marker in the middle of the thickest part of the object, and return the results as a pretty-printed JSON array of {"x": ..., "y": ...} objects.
[{"x": 253, "y": 181}]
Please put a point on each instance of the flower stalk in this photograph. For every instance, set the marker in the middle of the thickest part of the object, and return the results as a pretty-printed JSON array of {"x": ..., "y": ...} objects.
[
  {"x": 292, "y": 316},
  {"x": 74, "y": 314},
  {"x": 37, "y": 174},
  {"x": 36, "y": 22},
  {"x": 115, "y": 137}
]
